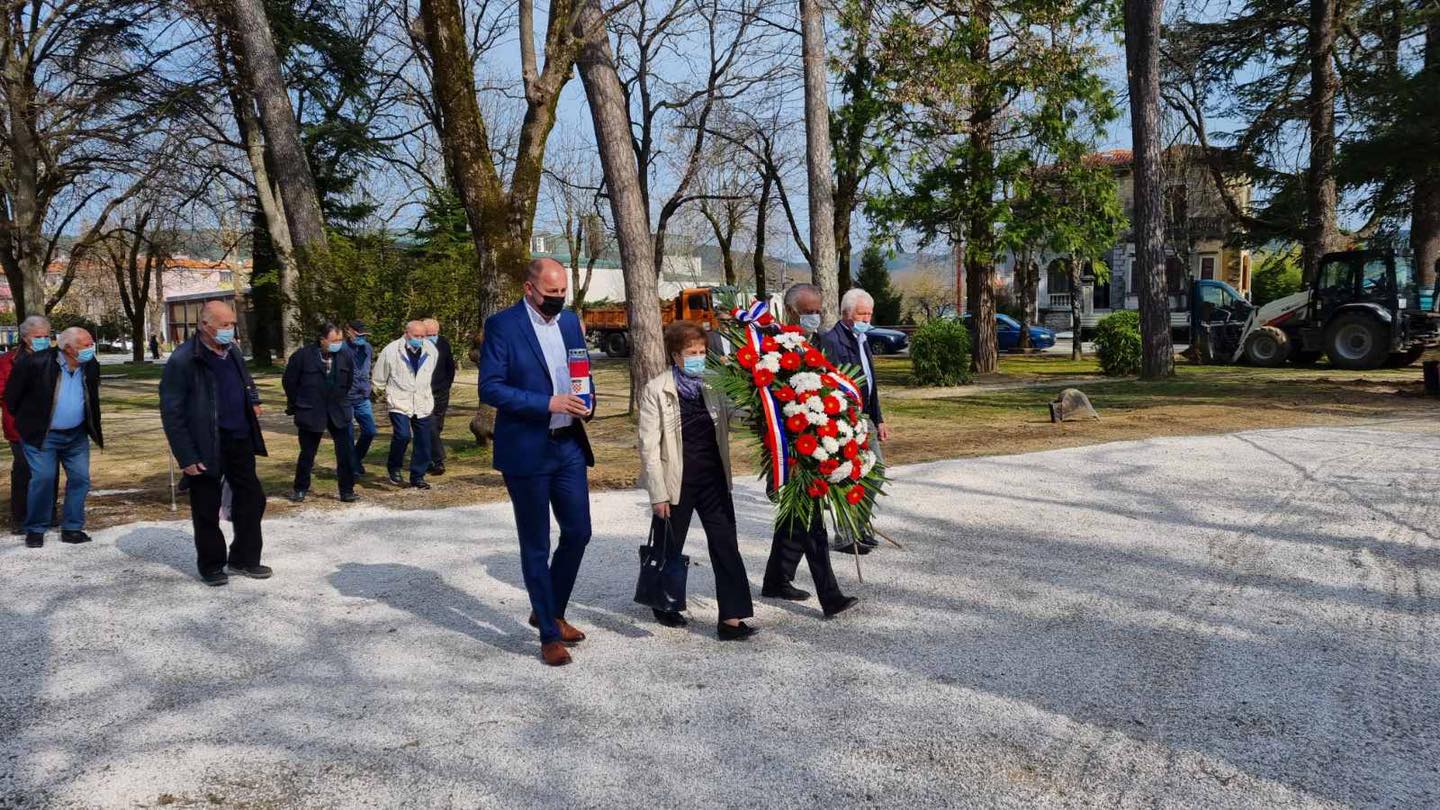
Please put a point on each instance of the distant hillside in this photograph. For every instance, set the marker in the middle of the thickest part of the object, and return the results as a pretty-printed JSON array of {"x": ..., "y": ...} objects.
[{"x": 197, "y": 244}]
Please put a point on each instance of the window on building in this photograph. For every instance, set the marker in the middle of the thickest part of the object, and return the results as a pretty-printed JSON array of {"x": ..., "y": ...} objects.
[{"x": 1207, "y": 267}]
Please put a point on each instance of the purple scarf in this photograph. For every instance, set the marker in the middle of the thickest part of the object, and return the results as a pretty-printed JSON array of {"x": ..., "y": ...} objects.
[{"x": 688, "y": 387}]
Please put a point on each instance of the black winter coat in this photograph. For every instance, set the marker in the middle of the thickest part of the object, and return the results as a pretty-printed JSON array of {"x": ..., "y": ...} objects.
[
  {"x": 187, "y": 406},
  {"x": 315, "y": 397}
]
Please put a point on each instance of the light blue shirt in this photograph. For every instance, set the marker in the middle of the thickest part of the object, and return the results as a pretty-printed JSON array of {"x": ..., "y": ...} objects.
[
  {"x": 69, "y": 396},
  {"x": 557, "y": 360}
]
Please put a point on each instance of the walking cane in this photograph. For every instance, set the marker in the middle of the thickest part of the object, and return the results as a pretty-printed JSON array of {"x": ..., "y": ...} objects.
[
  {"x": 887, "y": 538},
  {"x": 172, "y": 484}
]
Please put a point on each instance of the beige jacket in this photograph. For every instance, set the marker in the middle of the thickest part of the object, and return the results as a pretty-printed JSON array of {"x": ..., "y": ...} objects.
[
  {"x": 406, "y": 391},
  {"x": 661, "y": 455}
]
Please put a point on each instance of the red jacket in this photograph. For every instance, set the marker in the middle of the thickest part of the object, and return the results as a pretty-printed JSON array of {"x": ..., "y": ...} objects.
[{"x": 7, "y": 364}]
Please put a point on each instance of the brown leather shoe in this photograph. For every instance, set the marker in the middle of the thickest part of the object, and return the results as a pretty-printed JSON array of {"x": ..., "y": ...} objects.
[
  {"x": 569, "y": 633},
  {"x": 554, "y": 654}
]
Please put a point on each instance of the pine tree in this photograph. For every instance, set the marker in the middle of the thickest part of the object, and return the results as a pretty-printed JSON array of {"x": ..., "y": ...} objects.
[{"x": 874, "y": 278}]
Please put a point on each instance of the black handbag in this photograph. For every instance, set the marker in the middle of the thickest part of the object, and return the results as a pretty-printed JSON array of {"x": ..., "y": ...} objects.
[{"x": 659, "y": 586}]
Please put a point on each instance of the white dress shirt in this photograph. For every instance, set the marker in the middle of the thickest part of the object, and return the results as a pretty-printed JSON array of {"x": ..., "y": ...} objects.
[{"x": 552, "y": 345}]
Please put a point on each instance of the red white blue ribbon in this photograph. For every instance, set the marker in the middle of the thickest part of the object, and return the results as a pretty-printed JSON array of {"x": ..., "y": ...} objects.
[{"x": 772, "y": 417}]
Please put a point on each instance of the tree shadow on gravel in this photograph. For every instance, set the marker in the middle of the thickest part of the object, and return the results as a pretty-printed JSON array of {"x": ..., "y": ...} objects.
[
  {"x": 163, "y": 545},
  {"x": 427, "y": 596}
]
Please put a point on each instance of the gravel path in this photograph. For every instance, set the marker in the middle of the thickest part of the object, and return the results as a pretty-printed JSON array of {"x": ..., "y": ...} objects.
[{"x": 1244, "y": 620}]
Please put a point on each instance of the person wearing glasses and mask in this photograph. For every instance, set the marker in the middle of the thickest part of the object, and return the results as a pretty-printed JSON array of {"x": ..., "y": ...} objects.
[
  {"x": 55, "y": 397},
  {"x": 685, "y": 455},
  {"x": 210, "y": 409},
  {"x": 34, "y": 337},
  {"x": 403, "y": 371},
  {"x": 317, "y": 393},
  {"x": 845, "y": 345}
]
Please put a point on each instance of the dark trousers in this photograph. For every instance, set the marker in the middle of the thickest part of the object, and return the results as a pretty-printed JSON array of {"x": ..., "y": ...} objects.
[
  {"x": 247, "y": 507},
  {"x": 344, "y": 458},
  {"x": 560, "y": 484},
  {"x": 403, "y": 429},
  {"x": 797, "y": 539},
  {"x": 20, "y": 488},
  {"x": 709, "y": 497},
  {"x": 365, "y": 419},
  {"x": 437, "y": 427}
]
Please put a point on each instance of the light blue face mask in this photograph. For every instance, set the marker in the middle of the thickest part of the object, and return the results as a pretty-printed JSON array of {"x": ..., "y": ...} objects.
[
  {"x": 225, "y": 336},
  {"x": 86, "y": 354},
  {"x": 39, "y": 344},
  {"x": 693, "y": 366},
  {"x": 433, "y": 338},
  {"x": 336, "y": 346},
  {"x": 860, "y": 327},
  {"x": 415, "y": 343},
  {"x": 810, "y": 322},
  {"x": 358, "y": 340}
]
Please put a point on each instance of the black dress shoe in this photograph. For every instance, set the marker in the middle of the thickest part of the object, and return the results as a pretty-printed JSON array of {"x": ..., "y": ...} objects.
[
  {"x": 348, "y": 497},
  {"x": 256, "y": 571},
  {"x": 843, "y": 605},
  {"x": 670, "y": 618},
  {"x": 215, "y": 578},
  {"x": 784, "y": 591},
  {"x": 420, "y": 483},
  {"x": 360, "y": 471},
  {"x": 34, "y": 539},
  {"x": 396, "y": 478},
  {"x": 74, "y": 536},
  {"x": 870, "y": 542},
  {"x": 437, "y": 469},
  {"x": 854, "y": 548},
  {"x": 296, "y": 495},
  {"x": 734, "y": 633}
]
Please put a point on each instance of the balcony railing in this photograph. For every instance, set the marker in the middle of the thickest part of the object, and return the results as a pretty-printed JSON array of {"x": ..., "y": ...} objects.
[{"x": 1059, "y": 301}]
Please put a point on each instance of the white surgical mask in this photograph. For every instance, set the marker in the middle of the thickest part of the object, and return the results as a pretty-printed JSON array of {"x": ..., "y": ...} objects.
[
  {"x": 810, "y": 322},
  {"x": 225, "y": 336}
]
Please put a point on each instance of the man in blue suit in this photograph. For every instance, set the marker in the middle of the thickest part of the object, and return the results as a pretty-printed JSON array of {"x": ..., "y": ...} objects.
[{"x": 540, "y": 444}]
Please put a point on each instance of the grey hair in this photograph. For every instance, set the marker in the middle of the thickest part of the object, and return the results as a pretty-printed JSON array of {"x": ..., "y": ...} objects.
[
  {"x": 32, "y": 323},
  {"x": 853, "y": 297},
  {"x": 793, "y": 294},
  {"x": 69, "y": 336}
]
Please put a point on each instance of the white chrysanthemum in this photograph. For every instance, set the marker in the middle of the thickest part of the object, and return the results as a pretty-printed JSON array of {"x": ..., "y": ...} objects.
[
  {"x": 840, "y": 474},
  {"x": 770, "y": 362},
  {"x": 860, "y": 432},
  {"x": 830, "y": 444},
  {"x": 815, "y": 404},
  {"x": 792, "y": 408},
  {"x": 816, "y": 419},
  {"x": 867, "y": 465},
  {"x": 846, "y": 432},
  {"x": 820, "y": 453},
  {"x": 790, "y": 340},
  {"x": 805, "y": 381}
]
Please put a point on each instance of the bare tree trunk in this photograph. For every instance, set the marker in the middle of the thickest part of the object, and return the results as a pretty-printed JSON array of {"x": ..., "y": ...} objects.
[
  {"x": 980, "y": 233},
  {"x": 1077, "y": 350},
  {"x": 611, "y": 116},
  {"x": 1425, "y": 208},
  {"x": 762, "y": 215},
  {"x": 823, "y": 265},
  {"x": 1024, "y": 292},
  {"x": 1142, "y": 61},
  {"x": 29, "y": 288},
  {"x": 1321, "y": 231},
  {"x": 289, "y": 167}
]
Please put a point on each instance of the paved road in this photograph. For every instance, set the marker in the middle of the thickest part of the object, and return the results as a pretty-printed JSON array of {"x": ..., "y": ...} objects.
[{"x": 1235, "y": 621}]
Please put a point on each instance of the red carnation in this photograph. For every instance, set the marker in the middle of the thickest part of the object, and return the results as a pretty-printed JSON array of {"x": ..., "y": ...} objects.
[
  {"x": 746, "y": 357},
  {"x": 855, "y": 470},
  {"x": 851, "y": 449},
  {"x": 791, "y": 328},
  {"x": 763, "y": 377},
  {"x": 828, "y": 381},
  {"x": 765, "y": 319},
  {"x": 830, "y": 428},
  {"x": 818, "y": 487},
  {"x": 855, "y": 495},
  {"x": 829, "y": 465},
  {"x": 814, "y": 358},
  {"x": 785, "y": 393},
  {"x": 768, "y": 344},
  {"x": 797, "y": 423},
  {"x": 790, "y": 361},
  {"x": 806, "y": 444},
  {"x": 832, "y": 406},
  {"x": 865, "y": 445}
]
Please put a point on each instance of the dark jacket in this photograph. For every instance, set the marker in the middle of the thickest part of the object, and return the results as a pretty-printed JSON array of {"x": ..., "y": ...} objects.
[
  {"x": 444, "y": 369},
  {"x": 515, "y": 381},
  {"x": 30, "y": 395},
  {"x": 362, "y": 357},
  {"x": 187, "y": 406},
  {"x": 844, "y": 349},
  {"x": 315, "y": 397}
]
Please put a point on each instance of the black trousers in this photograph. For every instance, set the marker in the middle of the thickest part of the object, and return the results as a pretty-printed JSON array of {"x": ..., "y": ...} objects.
[
  {"x": 247, "y": 507},
  {"x": 797, "y": 539},
  {"x": 437, "y": 427},
  {"x": 709, "y": 497},
  {"x": 20, "y": 485},
  {"x": 344, "y": 457}
]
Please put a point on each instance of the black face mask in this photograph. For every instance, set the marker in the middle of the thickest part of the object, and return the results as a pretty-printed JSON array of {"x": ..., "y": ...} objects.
[{"x": 550, "y": 305}]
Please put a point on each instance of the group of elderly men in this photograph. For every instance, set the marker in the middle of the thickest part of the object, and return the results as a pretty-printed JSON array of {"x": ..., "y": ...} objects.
[{"x": 210, "y": 409}]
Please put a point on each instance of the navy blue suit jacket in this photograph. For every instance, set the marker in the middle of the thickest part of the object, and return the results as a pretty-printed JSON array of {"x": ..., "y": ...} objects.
[
  {"x": 844, "y": 349},
  {"x": 516, "y": 382}
]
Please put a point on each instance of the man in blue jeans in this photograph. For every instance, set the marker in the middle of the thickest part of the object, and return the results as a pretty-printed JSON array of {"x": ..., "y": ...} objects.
[
  {"x": 54, "y": 396},
  {"x": 364, "y": 356}
]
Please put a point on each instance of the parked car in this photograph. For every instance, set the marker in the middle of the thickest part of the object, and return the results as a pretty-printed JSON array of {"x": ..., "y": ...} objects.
[
  {"x": 886, "y": 341},
  {"x": 1007, "y": 334}
]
